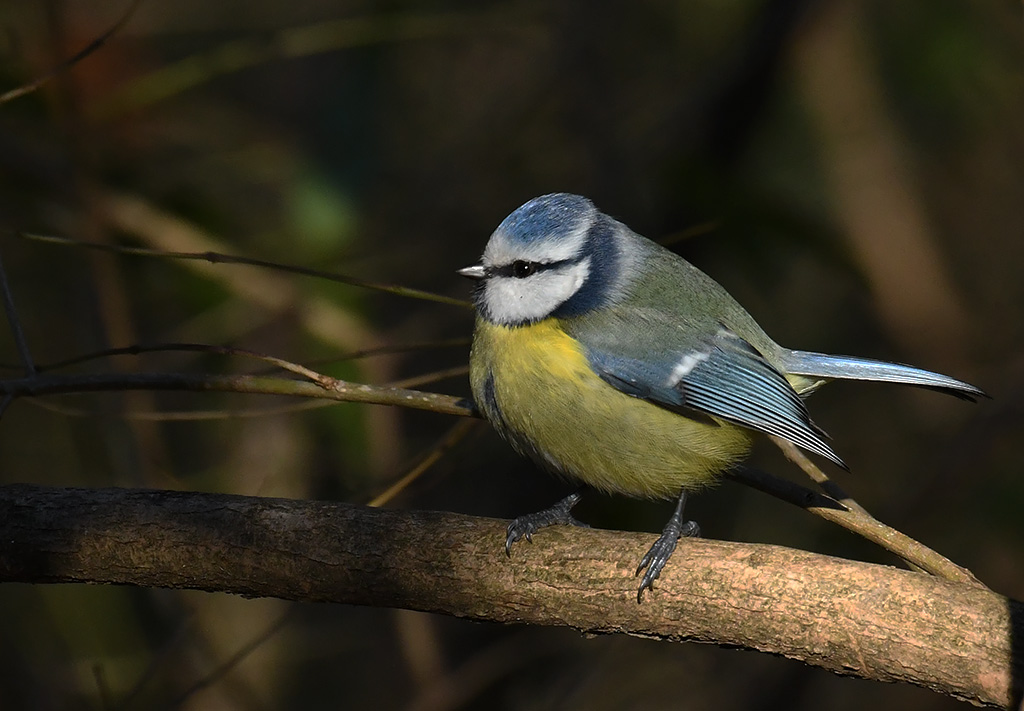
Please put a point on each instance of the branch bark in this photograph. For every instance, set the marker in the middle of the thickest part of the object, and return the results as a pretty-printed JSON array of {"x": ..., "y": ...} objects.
[
  {"x": 853, "y": 618},
  {"x": 844, "y": 512}
]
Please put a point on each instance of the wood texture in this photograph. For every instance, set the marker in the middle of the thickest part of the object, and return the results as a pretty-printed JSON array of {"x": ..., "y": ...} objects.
[{"x": 852, "y": 618}]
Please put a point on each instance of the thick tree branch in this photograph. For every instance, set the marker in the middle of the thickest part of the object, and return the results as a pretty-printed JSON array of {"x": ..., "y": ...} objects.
[
  {"x": 844, "y": 513},
  {"x": 852, "y": 618}
]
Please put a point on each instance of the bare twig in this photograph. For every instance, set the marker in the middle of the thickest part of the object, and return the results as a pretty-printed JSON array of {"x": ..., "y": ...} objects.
[
  {"x": 99, "y": 674},
  {"x": 856, "y": 521},
  {"x": 141, "y": 349},
  {"x": 295, "y": 42},
  {"x": 15, "y": 322},
  {"x": 819, "y": 477},
  {"x": 73, "y": 60},
  {"x": 234, "y": 660},
  {"x": 829, "y": 486},
  {"x": 689, "y": 233},
  {"x": 393, "y": 348},
  {"x": 157, "y": 662},
  {"x": 278, "y": 363},
  {"x": 220, "y": 258},
  {"x": 234, "y": 413},
  {"x": 416, "y": 381},
  {"x": 458, "y": 688},
  {"x": 182, "y": 415},
  {"x": 325, "y": 388},
  {"x": 451, "y": 438}
]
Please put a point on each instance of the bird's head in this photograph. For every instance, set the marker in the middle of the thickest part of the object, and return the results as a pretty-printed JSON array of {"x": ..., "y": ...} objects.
[{"x": 554, "y": 256}]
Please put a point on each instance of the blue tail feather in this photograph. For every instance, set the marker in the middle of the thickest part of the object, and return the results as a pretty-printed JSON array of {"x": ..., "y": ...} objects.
[{"x": 821, "y": 365}]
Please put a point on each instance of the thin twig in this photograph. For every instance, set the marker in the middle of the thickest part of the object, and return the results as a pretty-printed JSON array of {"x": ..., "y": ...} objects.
[
  {"x": 416, "y": 381},
  {"x": 157, "y": 662},
  {"x": 220, "y": 258},
  {"x": 99, "y": 674},
  {"x": 829, "y": 486},
  {"x": 182, "y": 415},
  {"x": 392, "y": 349},
  {"x": 862, "y": 524},
  {"x": 451, "y": 438},
  {"x": 226, "y": 414},
  {"x": 74, "y": 59},
  {"x": 15, "y": 322},
  {"x": 292, "y": 42},
  {"x": 819, "y": 477},
  {"x": 325, "y": 381},
  {"x": 689, "y": 233},
  {"x": 140, "y": 349},
  {"x": 325, "y": 388},
  {"x": 281, "y": 363},
  {"x": 232, "y": 661},
  {"x": 498, "y": 660}
]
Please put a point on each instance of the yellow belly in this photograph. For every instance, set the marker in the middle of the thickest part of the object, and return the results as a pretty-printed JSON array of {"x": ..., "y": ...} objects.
[{"x": 546, "y": 398}]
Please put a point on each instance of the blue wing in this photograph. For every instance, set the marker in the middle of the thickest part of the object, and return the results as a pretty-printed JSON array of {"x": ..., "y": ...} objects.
[{"x": 724, "y": 377}]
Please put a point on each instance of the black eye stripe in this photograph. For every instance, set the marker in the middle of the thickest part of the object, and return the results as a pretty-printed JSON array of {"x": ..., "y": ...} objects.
[{"x": 521, "y": 268}]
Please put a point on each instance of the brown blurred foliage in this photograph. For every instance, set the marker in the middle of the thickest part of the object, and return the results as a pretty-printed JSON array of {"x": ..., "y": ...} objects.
[{"x": 863, "y": 166}]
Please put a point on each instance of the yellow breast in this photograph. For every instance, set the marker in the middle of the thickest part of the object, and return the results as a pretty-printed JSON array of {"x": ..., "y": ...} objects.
[{"x": 536, "y": 387}]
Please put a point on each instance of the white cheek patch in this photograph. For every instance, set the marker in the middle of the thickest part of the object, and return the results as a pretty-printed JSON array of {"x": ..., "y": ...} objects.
[
  {"x": 684, "y": 367},
  {"x": 510, "y": 301}
]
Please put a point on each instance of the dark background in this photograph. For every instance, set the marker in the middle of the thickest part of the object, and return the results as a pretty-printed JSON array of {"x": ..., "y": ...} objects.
[{"x": 852, "y": 172}]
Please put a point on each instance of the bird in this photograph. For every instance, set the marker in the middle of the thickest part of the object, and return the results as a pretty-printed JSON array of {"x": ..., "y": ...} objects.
[{"x": 611, "y": 361}]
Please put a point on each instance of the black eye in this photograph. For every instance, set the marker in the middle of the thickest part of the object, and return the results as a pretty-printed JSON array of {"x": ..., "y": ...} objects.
[{"x": 522, "y": 269}]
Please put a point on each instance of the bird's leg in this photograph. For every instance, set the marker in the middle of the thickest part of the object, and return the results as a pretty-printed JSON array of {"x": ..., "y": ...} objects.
[
  {"x": 559, "y": 514},
  {"x": 656, "y": 558}
]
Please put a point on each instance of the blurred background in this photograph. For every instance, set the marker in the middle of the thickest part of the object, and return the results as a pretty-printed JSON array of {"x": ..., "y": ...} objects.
[{"x": 852, "y": 172}]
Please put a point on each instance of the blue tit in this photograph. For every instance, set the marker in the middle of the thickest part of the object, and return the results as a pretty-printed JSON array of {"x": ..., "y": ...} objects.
[{"x": 609, "y": 360}]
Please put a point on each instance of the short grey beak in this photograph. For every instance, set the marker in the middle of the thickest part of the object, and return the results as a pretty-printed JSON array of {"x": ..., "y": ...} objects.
[{"x": 475, "y": 272}]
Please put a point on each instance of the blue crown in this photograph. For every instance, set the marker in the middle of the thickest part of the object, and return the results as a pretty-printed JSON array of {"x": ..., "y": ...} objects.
[{"x": 546, "y": 216}]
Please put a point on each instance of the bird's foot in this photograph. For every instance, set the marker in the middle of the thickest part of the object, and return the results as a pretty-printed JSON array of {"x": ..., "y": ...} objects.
[
  {"x": 657, "y": 556},
  {"x": 558, "y": 515}
]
